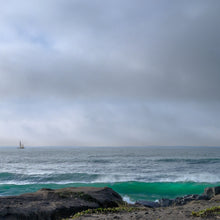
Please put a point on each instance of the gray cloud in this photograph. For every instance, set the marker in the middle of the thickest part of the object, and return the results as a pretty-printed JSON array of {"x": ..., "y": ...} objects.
[{"x": 123, "y": 53}]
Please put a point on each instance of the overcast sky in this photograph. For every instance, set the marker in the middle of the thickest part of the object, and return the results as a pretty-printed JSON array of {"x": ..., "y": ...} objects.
[{"x": 110, "y": 72}]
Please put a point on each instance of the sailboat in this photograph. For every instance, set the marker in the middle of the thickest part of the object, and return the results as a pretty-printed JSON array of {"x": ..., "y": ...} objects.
[{"x": 21, "y": 146}]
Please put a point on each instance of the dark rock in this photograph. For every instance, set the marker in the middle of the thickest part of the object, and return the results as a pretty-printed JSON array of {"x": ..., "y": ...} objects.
[
  {"x": 147, "y": 203},
  {"x": 185, "y": 199},
  {"x": 212, "y": 191},
  {"x": 169, "y": 202},
  {"x": 165, "y": 202},
  {"x": 217, "y": 190},
  {"x": 202, "y": 197},
  {"x": 48, "y": 204},
  {"x": 209, "y": 192}
]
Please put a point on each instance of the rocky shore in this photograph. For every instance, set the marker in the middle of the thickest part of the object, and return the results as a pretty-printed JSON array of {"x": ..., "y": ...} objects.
[
  {"x": 207, "y": 195},
  {"x": 48, "y": 204},
  {"x": 180, "y": 212}
]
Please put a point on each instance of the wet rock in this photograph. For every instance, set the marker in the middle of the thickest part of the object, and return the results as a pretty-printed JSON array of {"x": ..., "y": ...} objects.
[
  {"x": 208, "y": 194},
  {"x": 147, "y": 203},
  {"x": 185, "y": 199},
  {"x": 217, "y": 190},
  {"x": 202, "y": 197},
  {"x": 212, "y": 191},
  {"x": 165, "y": 202},
  {"x": 48, "y": 204}
]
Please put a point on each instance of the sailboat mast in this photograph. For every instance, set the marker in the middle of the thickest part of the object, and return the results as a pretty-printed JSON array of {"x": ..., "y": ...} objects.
[{"x": 21, "y": 146}]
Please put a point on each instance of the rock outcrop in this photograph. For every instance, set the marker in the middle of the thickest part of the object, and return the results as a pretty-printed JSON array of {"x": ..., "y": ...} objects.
[
  {"x": 212, "y": 191},
  {"x": 48, "y": 204},
  {"x": 208, "y": 194}
]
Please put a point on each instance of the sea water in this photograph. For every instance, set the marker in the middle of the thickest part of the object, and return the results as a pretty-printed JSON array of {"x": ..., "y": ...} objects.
[{"x": 136, "y": 173}]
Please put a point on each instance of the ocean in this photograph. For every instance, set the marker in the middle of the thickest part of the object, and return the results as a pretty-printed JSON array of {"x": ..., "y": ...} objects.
[{"x": 136, "y": 173}]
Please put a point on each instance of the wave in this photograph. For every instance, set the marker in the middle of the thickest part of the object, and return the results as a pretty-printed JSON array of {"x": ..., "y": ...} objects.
[
  {"x": 131, "y": 191},
  {"x": 194, "y": 177},
  {"x": 46, "y": 178},
  {"x": 68, "y": 178},
  {"x": 190, "y": 161}
]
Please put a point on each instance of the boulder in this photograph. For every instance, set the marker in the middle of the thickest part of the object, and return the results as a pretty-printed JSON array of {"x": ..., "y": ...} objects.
[
  {"x": 208, "y": 194},
  {"x": 202, "y": 197},
  {"x": 165, "y": 202},
  {"x": 185, "y": 199},
  {"x": 48, "y": 204},
  {"x": 212, "y": 191},
  {"x": 217, "y": 190},
  {"x": 148, "y": 204}
]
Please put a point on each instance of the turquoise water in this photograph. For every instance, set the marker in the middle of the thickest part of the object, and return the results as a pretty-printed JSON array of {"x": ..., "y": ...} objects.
[{"x": 135, "y": 173}]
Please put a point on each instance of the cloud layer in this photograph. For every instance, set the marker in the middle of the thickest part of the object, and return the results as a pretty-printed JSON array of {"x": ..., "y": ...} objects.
[{"x": 110, "y": 72}]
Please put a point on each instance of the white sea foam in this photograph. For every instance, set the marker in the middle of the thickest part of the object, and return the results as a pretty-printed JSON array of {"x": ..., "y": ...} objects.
[
  {"x": 45, "y": 166},
  {"x": 200, "y": 178},
  {"x": 128, "y": 200},
  {"x": 112, "y": 179}
]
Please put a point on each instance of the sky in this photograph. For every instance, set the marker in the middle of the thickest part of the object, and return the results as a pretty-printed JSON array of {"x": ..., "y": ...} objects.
[{"x": 110, "y": 73}]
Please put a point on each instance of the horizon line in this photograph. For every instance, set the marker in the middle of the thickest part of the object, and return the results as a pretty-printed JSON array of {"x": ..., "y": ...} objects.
[{"x": 110, "y": 146}]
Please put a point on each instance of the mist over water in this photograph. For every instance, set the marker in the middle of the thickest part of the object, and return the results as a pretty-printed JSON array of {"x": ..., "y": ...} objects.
[{"x": 136, "y": 172}]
